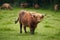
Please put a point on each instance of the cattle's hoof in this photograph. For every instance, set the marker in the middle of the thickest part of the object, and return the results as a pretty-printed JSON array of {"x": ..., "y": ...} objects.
[
  {"x": 32, "y": 33},
  {"x": 20, "y": 32},
  {"x": 25, "y": 32}
]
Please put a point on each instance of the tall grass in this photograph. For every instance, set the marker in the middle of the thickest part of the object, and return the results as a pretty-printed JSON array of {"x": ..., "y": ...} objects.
[{"x": 48, "y": 29}]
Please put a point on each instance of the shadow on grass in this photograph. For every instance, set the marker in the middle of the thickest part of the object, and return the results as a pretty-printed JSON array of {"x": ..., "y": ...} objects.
[
  {"x": 58, "y": 34},
  {"x": 56, "y": 19},
  {"x": 28, "y": 34},
  {"x": 48, "y": 26},
  {"x": 6, "y": 29},
  {"x": 50, "y": 37},
  {"x": 7, "y": 22}
]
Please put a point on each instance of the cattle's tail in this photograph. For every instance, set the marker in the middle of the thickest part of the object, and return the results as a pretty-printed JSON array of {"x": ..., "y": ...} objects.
[{"x": 16, "y": 21}]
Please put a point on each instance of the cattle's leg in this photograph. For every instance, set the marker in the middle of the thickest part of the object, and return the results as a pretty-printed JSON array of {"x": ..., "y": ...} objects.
[
  {"x": 25, "y": 29},
  {"x": 31, "y": 30},
  {"x": 20, "y": 28},
  {"x": 34, "y": 29}
]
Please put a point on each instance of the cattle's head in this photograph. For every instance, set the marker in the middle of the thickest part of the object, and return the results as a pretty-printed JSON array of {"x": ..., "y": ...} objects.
[{"x": 39, "y": 17}]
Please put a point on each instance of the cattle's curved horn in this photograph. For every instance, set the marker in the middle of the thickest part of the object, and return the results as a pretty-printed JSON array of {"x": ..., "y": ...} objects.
[{"x": 44, "y": 14}]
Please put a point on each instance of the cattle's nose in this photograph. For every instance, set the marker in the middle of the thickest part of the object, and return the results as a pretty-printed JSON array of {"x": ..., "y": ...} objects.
[{"x": 38, "y": 21}]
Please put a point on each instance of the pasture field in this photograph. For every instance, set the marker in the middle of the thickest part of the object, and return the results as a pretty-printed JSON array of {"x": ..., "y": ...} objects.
[{"x": 48, "y": 29}]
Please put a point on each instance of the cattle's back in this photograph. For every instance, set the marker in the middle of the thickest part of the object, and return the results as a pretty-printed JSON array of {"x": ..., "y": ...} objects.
[
  {"x": 5, "y": 5},
  {"x": 26, "y": 18}
]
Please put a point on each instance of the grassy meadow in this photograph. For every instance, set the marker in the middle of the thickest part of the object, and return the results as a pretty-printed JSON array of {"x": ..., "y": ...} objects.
[{"x": 48, "y": 29}]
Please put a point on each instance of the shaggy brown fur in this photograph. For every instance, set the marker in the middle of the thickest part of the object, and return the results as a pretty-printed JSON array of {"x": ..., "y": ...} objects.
[
  {"x": 36, "y": 6},
  {"x": 56, "y": 7},
  {"x": 6, "y": 6},
  {"x": 28, "y": 19},
  {"x": 24, "y": 5}
]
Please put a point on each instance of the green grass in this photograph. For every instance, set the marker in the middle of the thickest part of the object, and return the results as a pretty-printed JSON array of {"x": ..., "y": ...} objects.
[{"x": 48, "y": 29}]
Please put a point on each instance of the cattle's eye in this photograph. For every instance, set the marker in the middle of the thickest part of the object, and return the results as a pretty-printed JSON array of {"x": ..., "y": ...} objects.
[{"x": 33, "y": 15}]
